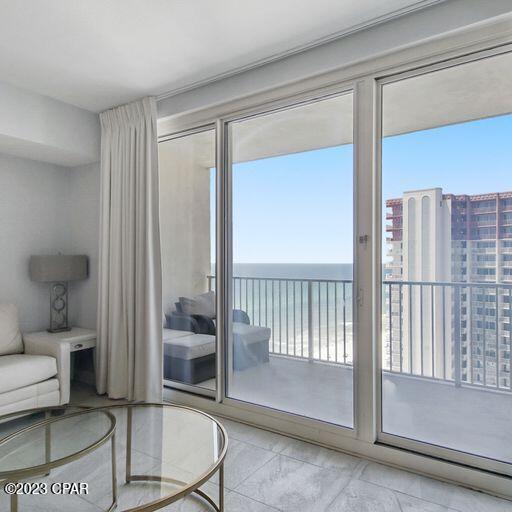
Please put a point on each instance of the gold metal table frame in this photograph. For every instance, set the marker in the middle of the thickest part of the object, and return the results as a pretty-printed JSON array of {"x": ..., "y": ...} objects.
[
  {"x": 45, "y": 468},
  {"x": 188, "y": 488}
]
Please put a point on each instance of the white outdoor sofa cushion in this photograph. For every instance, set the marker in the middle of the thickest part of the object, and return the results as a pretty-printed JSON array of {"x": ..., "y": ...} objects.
[{"x": 187, "y": 345}]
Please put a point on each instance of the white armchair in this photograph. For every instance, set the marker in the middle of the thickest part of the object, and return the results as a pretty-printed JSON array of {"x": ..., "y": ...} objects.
[{"x": 34, "y": 373}]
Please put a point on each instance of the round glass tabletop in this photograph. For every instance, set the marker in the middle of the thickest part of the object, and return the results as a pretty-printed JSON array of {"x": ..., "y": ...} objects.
[
  {"x": 159, "y": 453},
  {"x": 42, "y": 439}
]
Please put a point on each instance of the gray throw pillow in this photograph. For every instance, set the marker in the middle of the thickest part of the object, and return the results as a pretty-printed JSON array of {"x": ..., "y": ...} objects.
[{"x": 203, "y": 304}]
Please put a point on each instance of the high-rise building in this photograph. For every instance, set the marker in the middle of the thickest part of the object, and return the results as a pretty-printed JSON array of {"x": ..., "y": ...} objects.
[{"x": 439, "y": 327}]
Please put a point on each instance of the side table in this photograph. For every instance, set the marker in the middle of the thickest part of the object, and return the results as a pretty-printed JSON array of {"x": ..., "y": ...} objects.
[{"x": 78, "y": 339}]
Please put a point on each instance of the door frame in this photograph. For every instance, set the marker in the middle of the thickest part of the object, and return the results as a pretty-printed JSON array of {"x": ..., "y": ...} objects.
[
  {"x": 226, "y": 216},
  {"x": 366, "y": 78},
  {"x": 423, "y": 447},
  {"x": 172, "y": 384}
]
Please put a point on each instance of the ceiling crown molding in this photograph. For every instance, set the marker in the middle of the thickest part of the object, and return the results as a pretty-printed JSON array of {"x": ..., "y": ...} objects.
[{"x": 421, "y": 4}]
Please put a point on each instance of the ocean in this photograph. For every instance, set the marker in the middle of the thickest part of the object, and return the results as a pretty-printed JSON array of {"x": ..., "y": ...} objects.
[
  {"x": 295, "y": 270},
  {"x": 307, "y": 307}
]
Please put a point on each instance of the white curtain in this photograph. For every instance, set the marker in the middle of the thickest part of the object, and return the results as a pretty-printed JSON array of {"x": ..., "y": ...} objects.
[{"x": 129, "y": 347}]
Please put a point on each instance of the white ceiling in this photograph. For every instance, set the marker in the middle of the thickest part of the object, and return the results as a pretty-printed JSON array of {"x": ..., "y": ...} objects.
[{"x": 99, "y": 53}]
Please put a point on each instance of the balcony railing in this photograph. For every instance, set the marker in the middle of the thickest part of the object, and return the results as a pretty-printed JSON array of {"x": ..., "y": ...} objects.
[
  {"x": 308, "y": 318},
  {"x": 454, "y": 332},
  {"x": 449, "y": 331}
]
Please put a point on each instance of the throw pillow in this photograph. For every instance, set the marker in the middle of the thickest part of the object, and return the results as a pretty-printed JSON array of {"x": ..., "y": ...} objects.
[{"x": 203, "y": 304}]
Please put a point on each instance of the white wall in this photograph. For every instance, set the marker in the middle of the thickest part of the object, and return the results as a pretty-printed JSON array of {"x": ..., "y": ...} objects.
[
  {"x": 33, "y": 220},
  {"x": 45, "y": 209},
  {"x": 83, "y": 238},
  {"x": 47, "y": 130}
]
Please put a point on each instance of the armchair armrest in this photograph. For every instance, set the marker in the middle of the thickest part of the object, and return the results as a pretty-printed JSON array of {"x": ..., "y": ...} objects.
[
  {"x": 241, "y": 316},
  {"x": 60, "y": 350}
]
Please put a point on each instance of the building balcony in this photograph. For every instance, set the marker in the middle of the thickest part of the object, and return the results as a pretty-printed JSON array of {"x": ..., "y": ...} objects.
[
  {"x": 483, "y": 250},
  {"x": 475, "y": 210},
  {"x": 439, "y": 408},
  {"x": 428, "y": 371},
  {"x": 478, "y": 225}
]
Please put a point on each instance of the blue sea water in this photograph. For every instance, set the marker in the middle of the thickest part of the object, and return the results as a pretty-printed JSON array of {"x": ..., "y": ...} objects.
[
  {"x": 308, "y": 307},
  {"x": 294, "y": 270}
]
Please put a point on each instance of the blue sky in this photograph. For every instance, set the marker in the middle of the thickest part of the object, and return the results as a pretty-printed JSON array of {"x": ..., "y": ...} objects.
[
  {"x": 293, "y": 209},
  {"x": 468, "y": 158},
  {"x": 298, "y": 208}
]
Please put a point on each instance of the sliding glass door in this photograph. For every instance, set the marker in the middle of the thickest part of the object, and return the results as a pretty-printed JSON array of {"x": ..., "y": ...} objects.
[
  {"x": 447, "y": 258},
  {"x": 188, "y": 237},
  {"x": 269, "y": 238},
  {"x": 291, "y": 333}
]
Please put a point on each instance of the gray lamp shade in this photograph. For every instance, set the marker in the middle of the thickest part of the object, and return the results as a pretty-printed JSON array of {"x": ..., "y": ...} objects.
[{"x": 51, "y": 269}]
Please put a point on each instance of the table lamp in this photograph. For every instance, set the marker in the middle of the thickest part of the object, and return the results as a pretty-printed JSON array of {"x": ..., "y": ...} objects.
[{"x": 58, "y": 270}]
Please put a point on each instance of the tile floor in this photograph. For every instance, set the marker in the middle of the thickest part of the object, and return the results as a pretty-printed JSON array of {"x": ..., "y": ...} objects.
[{"x": 267, "y": 472}]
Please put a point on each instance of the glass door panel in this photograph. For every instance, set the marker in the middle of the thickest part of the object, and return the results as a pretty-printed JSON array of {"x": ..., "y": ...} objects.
[
  {"x": 292, "y": 184},
  {"x": 188, "y": 238},
  {"x": 447, "y": 254}
]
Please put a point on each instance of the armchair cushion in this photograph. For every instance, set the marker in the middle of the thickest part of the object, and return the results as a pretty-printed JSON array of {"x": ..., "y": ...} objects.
[
  {"x": 35, "y": 395},
  {"x": 39, "y": 344},
  {"x": 10, "y": 335},
  {"x": 249, "y": 334},
  {"x": 20, "y": 370}
]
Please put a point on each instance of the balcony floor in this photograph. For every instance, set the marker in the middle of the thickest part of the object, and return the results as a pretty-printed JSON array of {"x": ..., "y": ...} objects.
[{"x": 467, "y": 419}]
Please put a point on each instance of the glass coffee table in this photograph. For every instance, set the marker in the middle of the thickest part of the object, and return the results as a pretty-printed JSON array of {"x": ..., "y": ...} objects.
[
  {"x": 159, "y": 453},
  {"x": 35, "y": 441}
]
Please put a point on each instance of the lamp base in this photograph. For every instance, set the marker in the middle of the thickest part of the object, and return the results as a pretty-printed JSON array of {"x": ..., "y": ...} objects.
[
  {"x": 59, "y": 308},
  {"x": 62, "y": 329}
]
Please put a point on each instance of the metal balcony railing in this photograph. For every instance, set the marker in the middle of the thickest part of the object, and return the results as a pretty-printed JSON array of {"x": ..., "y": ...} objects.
[
  {"x": 308, "y": 318},
  {"x": 433, "y": 330},
  {"x": 449, "y": 331}
]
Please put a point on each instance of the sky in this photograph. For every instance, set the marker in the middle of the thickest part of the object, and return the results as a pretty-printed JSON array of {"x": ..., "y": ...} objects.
[
  {"x": 294, "y": 209},
  {"x": 467, "y": 158},
  {"x": 298, "y": 208}
]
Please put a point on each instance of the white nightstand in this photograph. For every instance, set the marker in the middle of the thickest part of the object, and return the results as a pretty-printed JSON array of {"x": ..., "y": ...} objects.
[{"x": 78, "y": 339}]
